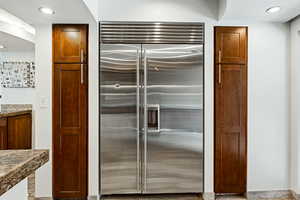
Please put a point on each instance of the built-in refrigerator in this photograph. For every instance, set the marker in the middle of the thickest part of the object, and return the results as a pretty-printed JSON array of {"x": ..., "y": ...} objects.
[{"x": 152, "y": 108}]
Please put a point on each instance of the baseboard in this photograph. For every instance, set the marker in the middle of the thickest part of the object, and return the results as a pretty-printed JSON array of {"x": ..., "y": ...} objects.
[
  {"x": 265, "y": 195},
  {"x": 93, "y": 198},
  {"x": 258, "y": 195},
  {"x": 50, "y": 198},
  {"x": 208, "y": 196},
  {"x": 275, "y": 194}
]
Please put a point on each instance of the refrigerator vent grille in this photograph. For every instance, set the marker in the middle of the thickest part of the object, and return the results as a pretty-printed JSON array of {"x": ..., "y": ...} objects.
[{"x": 151, "y": 33}]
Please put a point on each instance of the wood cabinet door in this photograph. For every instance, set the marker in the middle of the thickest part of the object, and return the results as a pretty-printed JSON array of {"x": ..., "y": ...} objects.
[
  {"x": 231, "y": 45},
  {"x": 3, "y": 133},
  {"x": 70, "y": 131},
  {"x": 230, "y": 122},
  {"x": 19, "y": 131},
  {"x": 70, "y": 43}
]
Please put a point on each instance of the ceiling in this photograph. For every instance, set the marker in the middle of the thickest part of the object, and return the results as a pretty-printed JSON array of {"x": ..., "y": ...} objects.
[
  {"x": 66, "y": 11},
  {"x": 13, "y": 43},
  {"x": 76, "y": 11},
  {"x": 255, "y": 10}
]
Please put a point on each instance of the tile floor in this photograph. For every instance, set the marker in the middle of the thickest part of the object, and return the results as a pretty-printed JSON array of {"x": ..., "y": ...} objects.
[
  {"x": 154, "y": 197},
  {"x": 176, "y": 197}
]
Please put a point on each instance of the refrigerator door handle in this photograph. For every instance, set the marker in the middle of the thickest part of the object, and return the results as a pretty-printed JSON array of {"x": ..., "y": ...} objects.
[
  {"x": 145, "y": 122},
  {"x": 138, "y": 118}
]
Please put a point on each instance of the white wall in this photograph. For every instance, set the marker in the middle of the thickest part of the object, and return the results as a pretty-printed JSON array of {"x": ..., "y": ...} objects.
[
  {"x": 18, "y": 95},
  {"x": 93, "y": 109},
  {"x": 44, "y": 112},
  {"x": 268, "y": 86},
  {"x": 295, "y": 107},
  {"x": 93, "y": 6},
  {"x": 157, "y": 10},
  {"x": 43, "y": 139},
  {"x": 268, "y": 107},
  {"x": 222, "y": 8}
]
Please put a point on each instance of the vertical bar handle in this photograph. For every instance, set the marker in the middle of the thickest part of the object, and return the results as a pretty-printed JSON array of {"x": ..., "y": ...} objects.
[
  {"x": 145, "y": 121},
  {"x": 220, "y": 67},
  {"x": 81, "y": 66},
  {"x": 81, "y": 56},
  {"x": 138, "y": 117},
  {"x": 81, "y": 73}
]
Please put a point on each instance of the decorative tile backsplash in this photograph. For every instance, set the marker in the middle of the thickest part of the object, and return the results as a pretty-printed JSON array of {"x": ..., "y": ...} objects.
[{"x": 17, "y": 74}]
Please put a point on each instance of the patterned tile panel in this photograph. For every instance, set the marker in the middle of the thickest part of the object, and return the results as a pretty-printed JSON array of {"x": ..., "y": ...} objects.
[{"x": 17, "y": 74}]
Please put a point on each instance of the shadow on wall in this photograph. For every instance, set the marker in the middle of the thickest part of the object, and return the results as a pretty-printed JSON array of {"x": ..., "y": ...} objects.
[{"x": 206, "y": 8}]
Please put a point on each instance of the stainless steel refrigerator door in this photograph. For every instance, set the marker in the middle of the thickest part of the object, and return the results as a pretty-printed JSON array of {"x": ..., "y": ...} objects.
[
  {"x": 120, "y": 153},
  {"x": 173, "y": 152}
]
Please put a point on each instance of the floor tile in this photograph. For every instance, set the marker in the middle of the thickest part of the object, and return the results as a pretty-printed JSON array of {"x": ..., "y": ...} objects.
[{"x": 153, "y": 197}]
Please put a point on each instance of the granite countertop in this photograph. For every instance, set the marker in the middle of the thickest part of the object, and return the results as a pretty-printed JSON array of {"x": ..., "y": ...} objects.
[
  {"x": 16, "y": 165},
  {"x": 8, "y": 110}
]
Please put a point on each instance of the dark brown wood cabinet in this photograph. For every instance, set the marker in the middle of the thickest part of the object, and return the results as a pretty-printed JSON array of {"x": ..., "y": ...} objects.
[
  {"x": 19, "y": 132},
  {"x": 70, "y": 43},
  {"x": 230, "y": 119},
  {"x": 70, "y": 110},
  {"x": 16, "y": 132},
  {"x": 3, "y": 133},
  {"x": 231, "y": 45}
]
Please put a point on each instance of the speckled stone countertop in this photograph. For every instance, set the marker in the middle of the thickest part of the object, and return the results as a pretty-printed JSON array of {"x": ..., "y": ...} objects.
[
  {"x": 8, "y": 110},
  {"x": 16, "y": 165}
]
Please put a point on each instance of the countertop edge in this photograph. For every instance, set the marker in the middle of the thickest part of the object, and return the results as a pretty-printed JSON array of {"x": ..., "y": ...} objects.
[
  {"x": 15, "y": 113},
  {"x": 19, "y": 173}
]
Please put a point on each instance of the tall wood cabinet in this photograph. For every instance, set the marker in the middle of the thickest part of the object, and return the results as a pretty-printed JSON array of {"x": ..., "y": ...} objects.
[
  {"x": 70, "y": 111},
  {"x": 230, "y": 119}
]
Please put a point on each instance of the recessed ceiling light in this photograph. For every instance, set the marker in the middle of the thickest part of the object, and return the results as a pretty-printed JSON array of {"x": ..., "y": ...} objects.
[
  {"x": 273, "y": 9},
  {"x": 2, "y": 46},
  {"x": 46, "y": 10}
]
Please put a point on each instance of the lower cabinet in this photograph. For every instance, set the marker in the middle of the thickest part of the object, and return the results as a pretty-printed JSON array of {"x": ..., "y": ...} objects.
[
  {"x": 3, "y": 133},
  {"x": 16, "y": 132}
]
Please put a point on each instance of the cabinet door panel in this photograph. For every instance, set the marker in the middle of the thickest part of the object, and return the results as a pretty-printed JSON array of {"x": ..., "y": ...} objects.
[
  {"x": 70, "y": 131},
  {"x": 173, "y": 144},
  {"x": 19, "y": 132},
  {"x": 231, "y": 45},
  {"x": 230, "y": 141},
  {"x": 3, "y": 133},
  {"x": 70, "y": 43},
  {"x": 119, "y": 145}
]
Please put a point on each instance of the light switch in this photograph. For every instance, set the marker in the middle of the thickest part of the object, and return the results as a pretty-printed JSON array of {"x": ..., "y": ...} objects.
[{"x": 43, "y": 102}]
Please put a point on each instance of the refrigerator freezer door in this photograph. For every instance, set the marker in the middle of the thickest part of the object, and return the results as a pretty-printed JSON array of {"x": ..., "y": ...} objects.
[
  {"x": 174, "y": 154},
  {"x": 119, "y": 145}
]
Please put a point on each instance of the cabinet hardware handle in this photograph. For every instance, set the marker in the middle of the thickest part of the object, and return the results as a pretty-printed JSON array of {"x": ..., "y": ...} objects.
[
  {"x": 81, "y": 56},
  {"x": 81, "y": 73},
  {"x": 220, "y": 67}
]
